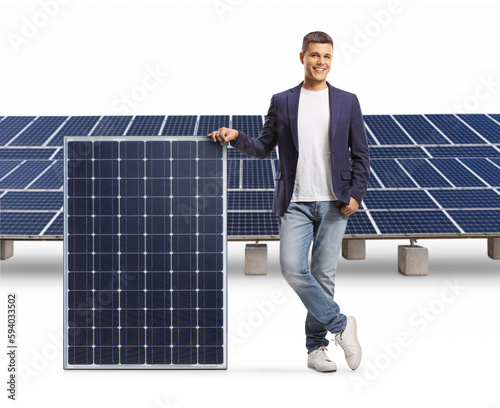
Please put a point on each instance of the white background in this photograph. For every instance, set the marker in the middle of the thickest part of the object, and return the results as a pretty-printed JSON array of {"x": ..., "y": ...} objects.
[{"x": 229, "y": 57}]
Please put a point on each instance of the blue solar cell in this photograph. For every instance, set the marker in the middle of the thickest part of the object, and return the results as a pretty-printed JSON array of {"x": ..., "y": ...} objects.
[
  {"x": 252, "y": 224},
  {"x": 250, "y": 125},
  {"x": 11, "y": 126},
  {"x": 386, "y": 130},
  {"x": 51, "y": 179},
  {"x": 147, "y": 241},
  {"x": 384, "y": 152},
  {"x": 488, "y": 128},
  {"x": 423, "y": 173},
  {"x": 484, "y": 169},
  {"x": 146, "y": 126},
  {"x": 7, "y": 166},
  {"x": 250, "y": 201},
  {"x": 454, "y": 129},
  {"x": 112, "y": 126},
  {"x": 391, "y": 174},
  {"x": 257, "y": 174},
  {"x": 495, "y": 117},
  {"x": 235, "y": 154},
  {"x": 32, "y": 200},
  {"x": 463, "y": 151},
  {"x": 24, "y": 223},
  {"x": 180, "y": 125},
  {"x": 209, "y": 123},
  {"x": 360, "y": 224},
  {"x": 477, "y": 221},
  {"x": 420, "y": 129},
  {"x": 75, "y": 126},
  {"x": 26, "y": 154},
  {"x": 400, "y": 199},
  {"x": 374, "y": 183},
  {"x": 413, "y": 222},
  {"x": 22, "y": 176},
  {"x": 371, "y": 140},
  {"x": 39, "y": 132},
  {"x": 454, "y": 171},
  {"x": 233, "y": 173},
  {"x": 56, "y": 228},
  {"x": 470, "y": 198}
]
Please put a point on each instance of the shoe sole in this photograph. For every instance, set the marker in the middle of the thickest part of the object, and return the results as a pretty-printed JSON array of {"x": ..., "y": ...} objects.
[
  {"x": 320, "y": 370},
  {"x": 358, "y": 360}
]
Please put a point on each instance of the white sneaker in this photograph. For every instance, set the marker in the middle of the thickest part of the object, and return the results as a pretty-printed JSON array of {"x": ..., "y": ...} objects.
[
  {"x": 320, "y": 361},
  {"x": 348, "y": 340}
]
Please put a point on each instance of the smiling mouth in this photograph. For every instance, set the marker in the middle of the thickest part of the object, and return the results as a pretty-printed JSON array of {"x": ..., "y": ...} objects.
[{"x": 319, "y": 70}]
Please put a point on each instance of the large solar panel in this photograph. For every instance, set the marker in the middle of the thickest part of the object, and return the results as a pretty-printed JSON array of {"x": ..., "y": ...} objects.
[
  {"x": 412, "y": 157},
  {"x": 145, "y": 253}
]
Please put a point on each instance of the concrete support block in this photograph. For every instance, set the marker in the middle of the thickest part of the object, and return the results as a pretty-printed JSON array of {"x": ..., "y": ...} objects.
[
  {"x": 354, "y": 249},
  {"x": 494, "y": 248},
  {"x": 6, "y": 249},
  {"x": 256, "y": 259},
  {"x": 413, "y": 260}
]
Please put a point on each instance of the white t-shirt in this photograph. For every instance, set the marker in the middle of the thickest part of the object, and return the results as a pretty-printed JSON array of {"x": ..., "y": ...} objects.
[{"x": 313, "y": 177}]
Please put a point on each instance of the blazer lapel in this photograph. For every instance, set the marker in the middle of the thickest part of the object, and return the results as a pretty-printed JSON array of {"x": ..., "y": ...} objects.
[
  {"x": 293, "y": 113},
  {"x": 335, "y": 100}
]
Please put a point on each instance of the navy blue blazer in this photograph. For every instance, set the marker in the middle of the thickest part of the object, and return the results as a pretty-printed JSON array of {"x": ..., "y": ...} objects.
[{"x": 347, "y": 132}]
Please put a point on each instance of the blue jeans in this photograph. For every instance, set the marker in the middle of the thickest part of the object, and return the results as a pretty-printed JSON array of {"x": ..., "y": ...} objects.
[{"x": 321, "y": 223}]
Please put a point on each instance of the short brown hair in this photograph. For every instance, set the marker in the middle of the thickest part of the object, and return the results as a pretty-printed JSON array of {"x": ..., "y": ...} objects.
[{"x": 315, "y": 36}]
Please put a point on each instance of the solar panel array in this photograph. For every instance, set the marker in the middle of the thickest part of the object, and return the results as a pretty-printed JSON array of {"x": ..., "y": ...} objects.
[
  {"x": 144, "y": 252},
  {"x": 416, "y": 161}
]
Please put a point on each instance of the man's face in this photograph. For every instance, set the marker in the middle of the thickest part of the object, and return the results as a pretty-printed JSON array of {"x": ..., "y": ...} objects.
[{"x": 317, "y": 61}]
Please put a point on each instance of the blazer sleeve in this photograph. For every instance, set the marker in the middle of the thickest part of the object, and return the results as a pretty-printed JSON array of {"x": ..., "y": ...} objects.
[
  {"x": 262, "y": 146},
  {"x": 360, "y": 156}
]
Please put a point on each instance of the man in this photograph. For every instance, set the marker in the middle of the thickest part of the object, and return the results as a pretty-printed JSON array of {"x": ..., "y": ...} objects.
[{"x": 315, "y": 125}]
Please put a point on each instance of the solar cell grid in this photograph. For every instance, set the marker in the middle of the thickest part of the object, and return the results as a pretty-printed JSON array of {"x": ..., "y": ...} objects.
[
  {"x": 423, "y": 173},
  {"x": 458, "y": 174},
  {"x": 257, "y": 174},
  {"x": 26, "y": 154},
  {"x": 24, "y": 174},
  {"x": 32, "y": 200},
  {"x": 145, "y": 126},
  {"x": 485, "y": 169},
  {"x": 470, "y": 198},
  {"x": 11, "y": 126},
  {"x": 463, "y": 151},
  {"x": 74, "y": 126},
  {"x": 413, "y": 222},
  {"x": 389, "y": 172},
  {"x": 454, "y": 129},
  {"x": 477, "y": 221},
  {"x": 250, "y": 201},
  {"x": 252, "y": 224},
  {"x": 385, "y": 152},
  {"x": 209, "y": 123},
  {"x": 145, "y": 256},
  {"x": 24, "y": 223},
  {"x": 112, "y": 126},
  {"x": 487, "y": 127},
  {"x": 250, "y": 124},
  {"x": 39, "y": 131},
  {"x": 386, "y": 130},
  {"x": 400, "y": 199},
  {"x": 179, "y": 125},
  {"x": 420, "y": 129}
]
